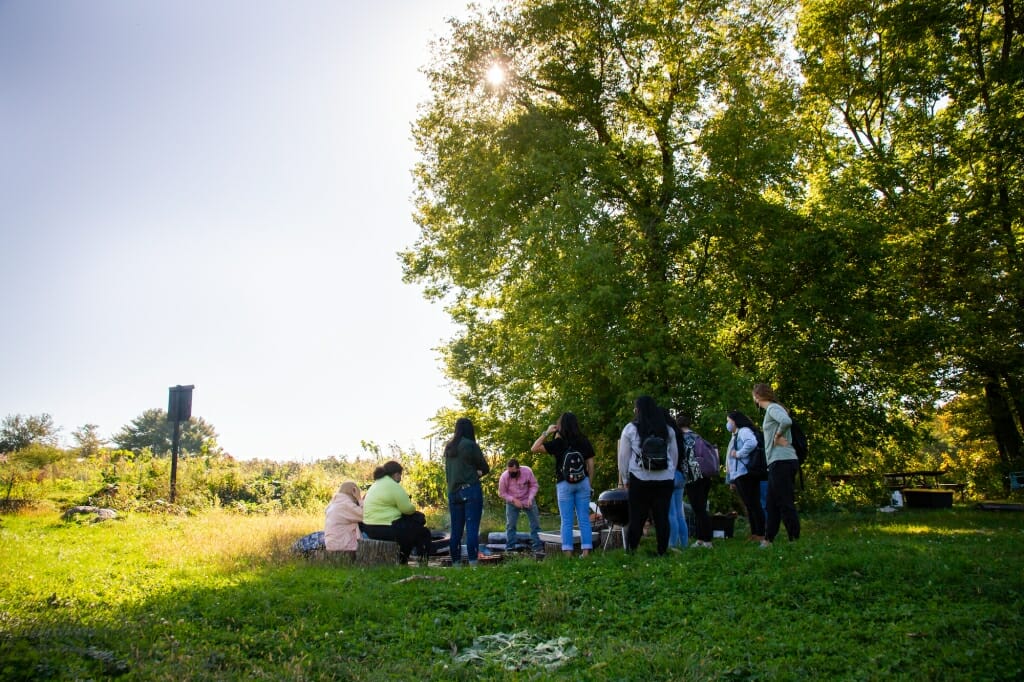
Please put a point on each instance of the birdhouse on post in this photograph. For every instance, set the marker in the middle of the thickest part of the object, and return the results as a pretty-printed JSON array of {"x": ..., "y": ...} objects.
[{"x": 179, "y": 409}]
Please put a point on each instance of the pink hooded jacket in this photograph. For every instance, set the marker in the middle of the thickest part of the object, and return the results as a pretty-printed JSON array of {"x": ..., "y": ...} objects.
[{"x": 341, "y": 529}]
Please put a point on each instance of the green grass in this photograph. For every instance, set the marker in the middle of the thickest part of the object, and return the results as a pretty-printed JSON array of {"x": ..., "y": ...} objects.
[{"x": 914, "y": 595}]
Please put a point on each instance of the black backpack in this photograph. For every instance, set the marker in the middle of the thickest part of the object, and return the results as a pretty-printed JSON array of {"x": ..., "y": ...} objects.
[
  {"x": 799, "y": 441},
  {"x": 757, "y": 463},
  {"x": 654, "y": 453},
  {"x": 574, "y": 466}
]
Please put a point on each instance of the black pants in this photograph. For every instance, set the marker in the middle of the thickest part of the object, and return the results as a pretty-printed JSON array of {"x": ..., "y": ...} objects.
[
  {"x": 749, "y": 490},
  {"x": 697, "y": 493},
  {"x": 781, "y": 502},
  {"x": 649, "y": 498},
  {"x": 409, "y": 531}
]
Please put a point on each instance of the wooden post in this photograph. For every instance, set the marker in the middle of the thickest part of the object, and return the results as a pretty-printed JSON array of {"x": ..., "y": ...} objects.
[{"x": 179, "y": 409}]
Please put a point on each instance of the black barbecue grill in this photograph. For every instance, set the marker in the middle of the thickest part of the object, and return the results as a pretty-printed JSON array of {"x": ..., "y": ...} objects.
[{"x": 614, "y": 506}]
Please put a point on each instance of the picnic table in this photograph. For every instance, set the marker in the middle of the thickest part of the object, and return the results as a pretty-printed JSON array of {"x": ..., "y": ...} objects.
[
  {"x": 898, "y": 480},
  {"x": 923, "y": 488}
]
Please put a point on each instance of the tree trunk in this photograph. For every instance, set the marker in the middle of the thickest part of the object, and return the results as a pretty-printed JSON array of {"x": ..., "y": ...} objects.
[
  {"x": 376, "y": 552},
  {"x": 1004, "y": 427}
]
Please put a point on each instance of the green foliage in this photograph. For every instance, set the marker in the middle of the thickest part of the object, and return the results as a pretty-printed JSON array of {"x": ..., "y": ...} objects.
[
  {"x": 658, "y": 201},
  {"x": 89, "y": 441},
  {"x": 20, "y": 431},
  {"x": 151, "y": 431},
  {"x": 917, "y": 110},
  {"x": 25, "y": 469},
  {"x": 933, "y": 594}
]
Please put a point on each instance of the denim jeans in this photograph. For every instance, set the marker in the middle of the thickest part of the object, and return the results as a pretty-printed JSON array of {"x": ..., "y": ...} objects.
[
  {"x": 574, "y": 498},
  {"x": 512, "y": 520},
  {"x": 679, "y": 533},
  {"x": 465, "y": 506}
]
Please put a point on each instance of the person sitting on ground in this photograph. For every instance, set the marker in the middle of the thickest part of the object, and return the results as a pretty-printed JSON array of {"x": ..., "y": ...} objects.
[
  {"x": 518, "y": 487},
  {"x": 344, "y": 513},
  {"x": 389, "y": 514}
]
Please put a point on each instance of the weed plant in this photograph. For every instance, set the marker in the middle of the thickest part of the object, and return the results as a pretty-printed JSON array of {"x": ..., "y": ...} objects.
[{"x": 924, "y": 595}]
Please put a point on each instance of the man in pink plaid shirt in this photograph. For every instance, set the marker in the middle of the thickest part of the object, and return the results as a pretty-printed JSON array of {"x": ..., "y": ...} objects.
[{"x": 518, "y": 487}]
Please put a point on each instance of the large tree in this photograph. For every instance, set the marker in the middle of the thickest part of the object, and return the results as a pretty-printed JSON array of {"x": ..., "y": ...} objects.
[
  {"x": 89, "y": 441},
  {"x": 152, "y": 430},
  {"x": 625, "y": 213},
  {"x": 18, "y": 431},
  {"x": 920, "y": 111}
]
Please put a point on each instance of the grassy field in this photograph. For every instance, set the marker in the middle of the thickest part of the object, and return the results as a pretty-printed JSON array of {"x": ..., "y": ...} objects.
[{"x": 927, "y": 595}]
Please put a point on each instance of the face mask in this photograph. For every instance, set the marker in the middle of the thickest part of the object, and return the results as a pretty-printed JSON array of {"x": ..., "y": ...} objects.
[
  {"x": 729, "y": 426},
  {"x": 514, "y": 474}
]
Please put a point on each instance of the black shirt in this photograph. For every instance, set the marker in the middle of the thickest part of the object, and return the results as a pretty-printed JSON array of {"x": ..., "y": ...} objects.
[{"x": 558, "y": 446}]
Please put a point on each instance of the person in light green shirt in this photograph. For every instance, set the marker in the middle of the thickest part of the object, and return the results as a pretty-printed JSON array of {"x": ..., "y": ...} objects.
[
  {"x": 389, "y": 514},
  {"x": 782, "y": 466}
]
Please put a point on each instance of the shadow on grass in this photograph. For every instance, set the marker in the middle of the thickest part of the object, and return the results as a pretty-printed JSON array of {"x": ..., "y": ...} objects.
[{"x": 857, "y": 597}]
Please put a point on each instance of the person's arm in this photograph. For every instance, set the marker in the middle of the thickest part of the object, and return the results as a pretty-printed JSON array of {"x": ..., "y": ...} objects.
[
  {"x": 503, "y": 488},
  {"x": 746, "y": 442},
  {"x": 532, "y": 487},
  {"x": 483, "y": 468},
  {"x": 624, "y": 454},
  {"x": 401, "y": 500},
  {"x": 782, "y": 418},
  {"x": 538, "y": 445},
  {"x": 673, "y": 450},
  {"x": 349, "y": 511}
]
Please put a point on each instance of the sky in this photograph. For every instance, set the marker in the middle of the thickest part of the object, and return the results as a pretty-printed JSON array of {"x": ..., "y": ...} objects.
[{"x": 214, "y": 193}]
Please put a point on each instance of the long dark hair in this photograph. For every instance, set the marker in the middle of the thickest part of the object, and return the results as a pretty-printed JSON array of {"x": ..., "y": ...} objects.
[
  {"x": 463, "y": 429},
  {"x": 649, "y": 418},
  {"x": 569, "y": 428},
  {"x": 672, "y": 424},
  {"x": 741, "y": 420},
  {"x": 389, "y": 468}
]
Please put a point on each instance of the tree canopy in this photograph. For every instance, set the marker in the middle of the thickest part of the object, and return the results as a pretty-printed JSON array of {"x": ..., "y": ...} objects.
[
  {"x": 18, "y": 431},
  {"x": 682, "y": 198},
  {"x": 152, "y": 430}
]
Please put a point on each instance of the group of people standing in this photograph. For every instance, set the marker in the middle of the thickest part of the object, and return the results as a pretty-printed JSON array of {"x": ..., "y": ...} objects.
[
  {"x": 654, "y": 457},
  {"x": 656, "y": 492}
]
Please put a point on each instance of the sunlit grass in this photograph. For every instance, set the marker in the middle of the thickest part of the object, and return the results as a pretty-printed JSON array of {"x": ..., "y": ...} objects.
[
  {"x": 225, "y": 539},
  {"x": 917, "y": 529},
  {"x": 220, "y": 596}
]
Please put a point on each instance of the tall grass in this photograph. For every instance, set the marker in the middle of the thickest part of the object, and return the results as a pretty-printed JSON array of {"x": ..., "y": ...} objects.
[{"x": 915, "y": 595}]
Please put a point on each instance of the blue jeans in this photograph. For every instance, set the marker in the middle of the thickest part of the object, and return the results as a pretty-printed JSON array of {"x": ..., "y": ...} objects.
[
  {"x": 512, "y": 520},
  {"x": 764, "y": 497},
  {"x": 575, "y": 498},
  {"x": 679, "y": 533},
  {"x": 466, "y": 506}
]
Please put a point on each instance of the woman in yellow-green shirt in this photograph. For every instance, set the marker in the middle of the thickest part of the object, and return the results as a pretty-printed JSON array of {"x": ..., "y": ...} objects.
[{"x": 389, "y": 514}]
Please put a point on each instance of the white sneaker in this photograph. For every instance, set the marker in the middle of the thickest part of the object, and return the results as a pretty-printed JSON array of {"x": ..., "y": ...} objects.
[{"x": 765, "y": 544}]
